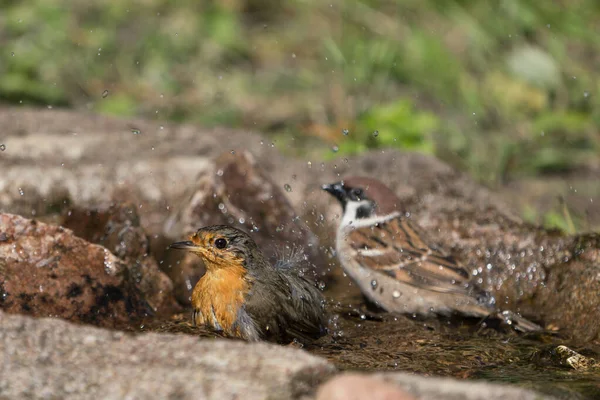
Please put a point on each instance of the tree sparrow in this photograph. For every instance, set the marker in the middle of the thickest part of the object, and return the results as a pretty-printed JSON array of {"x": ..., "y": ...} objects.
[{"x": 394, "y": 264}]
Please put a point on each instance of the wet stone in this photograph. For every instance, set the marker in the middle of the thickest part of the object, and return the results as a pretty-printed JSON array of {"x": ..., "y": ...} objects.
[{"x": 47, "y": 271}]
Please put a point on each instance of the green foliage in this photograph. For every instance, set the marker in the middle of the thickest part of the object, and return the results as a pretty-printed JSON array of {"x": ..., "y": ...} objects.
[
  {"x": 553, "y": 220},
  {"x": 557, "y": 142},
  {"x": 393, "y": 125},
  {"x": 475, "y": 83},
  {"x": 118, "y": 104}
]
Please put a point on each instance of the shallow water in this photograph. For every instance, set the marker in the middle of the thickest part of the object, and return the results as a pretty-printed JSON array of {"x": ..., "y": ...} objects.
[{"x": 365, "y": 341}]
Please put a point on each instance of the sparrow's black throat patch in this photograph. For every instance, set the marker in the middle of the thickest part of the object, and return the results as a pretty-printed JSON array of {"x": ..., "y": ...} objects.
[{"x": 365, "y": 211}]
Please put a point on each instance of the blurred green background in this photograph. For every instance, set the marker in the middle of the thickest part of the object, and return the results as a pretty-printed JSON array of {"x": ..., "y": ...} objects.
[{"x": 503, "y": 90}]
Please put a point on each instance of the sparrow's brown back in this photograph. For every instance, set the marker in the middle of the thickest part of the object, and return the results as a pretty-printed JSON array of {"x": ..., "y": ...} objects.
[{"x": 395, "y": 247}]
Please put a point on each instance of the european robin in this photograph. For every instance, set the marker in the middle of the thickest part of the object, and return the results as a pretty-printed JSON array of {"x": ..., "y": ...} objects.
[{"x": 244, "y": 296}]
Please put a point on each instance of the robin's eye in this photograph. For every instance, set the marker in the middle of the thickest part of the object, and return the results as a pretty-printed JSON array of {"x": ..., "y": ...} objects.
[
  {"x": 220, "y": 243},
  {"x": 357, "y": 192}
]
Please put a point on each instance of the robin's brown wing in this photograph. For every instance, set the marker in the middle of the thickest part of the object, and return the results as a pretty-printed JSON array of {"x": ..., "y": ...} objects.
[
  {"x": 290, "y": 305},
  {"x": 396, "y": 248},
  {"x": 306, "y": 316}
]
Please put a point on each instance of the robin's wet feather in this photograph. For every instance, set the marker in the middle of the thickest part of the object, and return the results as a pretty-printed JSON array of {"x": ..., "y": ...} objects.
[{"x": 244, "y": 296}]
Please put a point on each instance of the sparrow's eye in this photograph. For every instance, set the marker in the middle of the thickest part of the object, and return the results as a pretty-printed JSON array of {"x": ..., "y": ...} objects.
[
  {"x": 357, "y": 192},
  {"x": 220, "y": 243}
]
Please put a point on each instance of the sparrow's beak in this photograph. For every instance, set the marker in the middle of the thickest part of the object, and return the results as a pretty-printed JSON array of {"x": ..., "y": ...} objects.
[
  {"x": 187, "y": 245},
  {"x": 337, "y": 190}
]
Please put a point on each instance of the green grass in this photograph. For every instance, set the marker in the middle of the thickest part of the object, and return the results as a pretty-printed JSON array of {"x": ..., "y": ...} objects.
[{"x": 500, "y": 90}]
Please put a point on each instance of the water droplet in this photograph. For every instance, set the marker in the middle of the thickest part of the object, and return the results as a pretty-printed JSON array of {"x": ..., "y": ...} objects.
[
  {"x": 104, "y": 94},
  {"x": 21, "y": 192},
  {"x": 335, "y": 149},
  {"x": 395, "y": 294},
  {"x": 586, "y": 94},
  {"x": 309, "y": 164},
  {"x": 2, "y": 147},
  {"x": 220, "y": 172},
  {"x": 221, "y": 206},
  {"x": 287, "y": 188},
  {"x": 136, "y": 131},
  {"x": 109, "y": 268},
  {"x": 232, "y": 151},
  {"x": 12, "y": 53},
  {"x": 374, "y": 284},
  {"x": 375, "y": 133},
  {"x": 345, "y": 132},
  {"x": 242, "y": 220}
]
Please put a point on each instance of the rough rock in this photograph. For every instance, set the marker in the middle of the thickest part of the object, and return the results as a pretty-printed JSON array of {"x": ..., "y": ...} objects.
[
  {"x": 237, "y": 191},
  {"x": 48, "y": 358},
  {"x": 358, "y": 387},
  {"x": 53, "y": 158},
  {"x": 117, "y": 228},
  {"x": 46, "y": 270},
  {"x": 399, "y": 386},
  {"x": 570, "y": 298}
]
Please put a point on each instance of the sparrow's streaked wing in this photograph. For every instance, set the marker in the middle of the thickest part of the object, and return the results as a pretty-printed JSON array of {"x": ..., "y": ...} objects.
[{"x": 394, "y": 247}]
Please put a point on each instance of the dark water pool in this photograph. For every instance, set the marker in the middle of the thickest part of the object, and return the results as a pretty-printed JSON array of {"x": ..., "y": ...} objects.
[{"x": 367, "y": 341}]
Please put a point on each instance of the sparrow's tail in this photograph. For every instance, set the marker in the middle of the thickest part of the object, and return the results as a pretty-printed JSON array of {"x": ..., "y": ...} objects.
[{"x": 518, "y": 323}]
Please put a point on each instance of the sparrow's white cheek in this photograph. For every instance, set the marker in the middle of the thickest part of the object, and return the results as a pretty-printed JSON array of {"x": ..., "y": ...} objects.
[{"x": 351, "y": 211}]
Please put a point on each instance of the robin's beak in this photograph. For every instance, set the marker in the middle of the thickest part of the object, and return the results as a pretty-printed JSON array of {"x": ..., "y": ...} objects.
[
  {"x": 337, "y": 190},
  {"x": 187, "y": 245}
]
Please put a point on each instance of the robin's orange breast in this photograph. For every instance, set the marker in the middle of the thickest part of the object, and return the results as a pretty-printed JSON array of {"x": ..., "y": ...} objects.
[{"x": 218, "y": 297}]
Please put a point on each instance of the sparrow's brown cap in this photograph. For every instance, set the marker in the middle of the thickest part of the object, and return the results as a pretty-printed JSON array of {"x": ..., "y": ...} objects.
[{"x": 385, "y": 199}]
